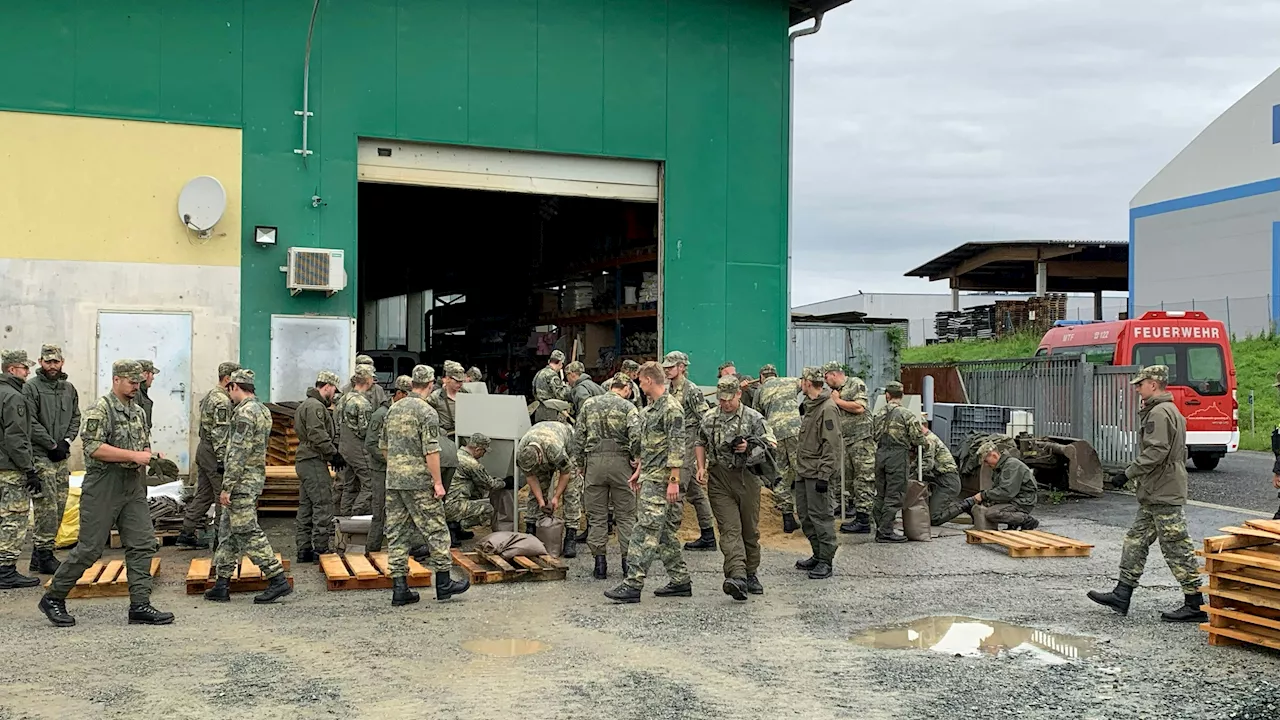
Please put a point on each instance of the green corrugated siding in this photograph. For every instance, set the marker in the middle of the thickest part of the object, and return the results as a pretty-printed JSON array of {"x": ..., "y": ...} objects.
[{"x": 698, "y": 84}]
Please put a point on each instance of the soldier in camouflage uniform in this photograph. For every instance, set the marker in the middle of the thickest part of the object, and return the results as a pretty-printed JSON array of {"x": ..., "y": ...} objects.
[
  {"x": 694, "y": 405},
  {"x": 1160, "y": 472},
  {"x": 19, "y": 479},
  {"x": 378, "y": 464},
  {"x": 376, "y": 394},
  {"x": 317, "y": 450},
  {"x": 549, "y": 385},
  {"x": 467, "y": 504},
  {"x": 778, "y": 403},
  {"x": 850, "y": 396},
  {"x": 662, "y": 453},
  {"x": 215, "y": 430},
  {"x": 117, "y": 450},
  {"x": 54, "y": 426},
  {"x": 897, "y": 434},
  {"x": 1013, "y": 492},
  {"x": 474, "y": 374},
  {"x": 726, "y": 438},
  {"x": 581, "y": 386},
  {"x": 750, "y": 386},
  {"x": 352, "y": 422},
  {"x": 415, "y": 492},
  {"x": 942, "y": 476},
  {"x": 149, "y": 372},
  {"x": 246, "y": 473},
  {"x": 444, "y": 401},
  {"x": 631, "y": 368},
  {"x": 607, "y": 447},
  {"x": 545, "y": 456}
]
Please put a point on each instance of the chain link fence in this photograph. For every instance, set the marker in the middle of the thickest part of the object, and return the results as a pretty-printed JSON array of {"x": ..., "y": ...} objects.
[{"x": 1243, "y": 316}]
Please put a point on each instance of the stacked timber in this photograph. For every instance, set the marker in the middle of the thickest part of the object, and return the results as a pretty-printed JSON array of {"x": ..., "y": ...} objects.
[
  {"x": 282, "y": 445},
  {"x": 1244, "y": 585},
  {"x": 280, "y": 492}
]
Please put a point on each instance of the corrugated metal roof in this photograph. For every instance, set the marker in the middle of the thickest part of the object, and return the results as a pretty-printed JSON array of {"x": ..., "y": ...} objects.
[
  {"x": 1092, "y": 250},
  {"x": 802, "y": 10}
]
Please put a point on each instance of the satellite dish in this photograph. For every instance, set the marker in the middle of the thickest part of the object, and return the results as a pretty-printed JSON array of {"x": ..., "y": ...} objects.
[{"x": 201, "y": 204}]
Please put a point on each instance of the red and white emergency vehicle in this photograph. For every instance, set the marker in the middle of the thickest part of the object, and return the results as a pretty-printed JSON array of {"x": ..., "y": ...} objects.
[{"x": 1202, "y": 375}]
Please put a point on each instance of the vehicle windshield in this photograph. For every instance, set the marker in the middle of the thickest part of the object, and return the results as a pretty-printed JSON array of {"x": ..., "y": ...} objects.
[
  {"x": 1100, "y": 354},
  {"x": 1202, "y": 368}
]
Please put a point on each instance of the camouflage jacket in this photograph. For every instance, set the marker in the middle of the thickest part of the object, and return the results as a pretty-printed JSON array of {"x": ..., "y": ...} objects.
[
  {"x": 718, "y": 428},
  {"x": 111, "y": 422},
  {"x": 548, "y": 385},
  {"x": 15, "y": 426},
  {"x": 353, "y": 422},
  {"x": 896, "y": 425},
  {"x": 313, "y": 424},
  {"x": 938, "y": 460},
  {"x": 445, "y": 407},
  {"x": 246, "y": 459},
  {"x": 373, "y": 436},
  {"x": 215, "y": 421},
  {"x": 778, "y": 402},
  {"x": 471, "y": 481},
  {"x": 607, "y": 417},
  {"x": 637, "y": 397},
  {"x": 411, "y": 433},
  {"x": 558, "y": 449},
  {"x": 376, "y": 395},
  {"x": 1011, "y": 482},
  {"x": 693, "y": 404},
  {"x": 662, "y": 439},
  {"x": 855, "y": 427},
  {"x": 57, "y": 410},
  {"x": 581, "y": 391}
]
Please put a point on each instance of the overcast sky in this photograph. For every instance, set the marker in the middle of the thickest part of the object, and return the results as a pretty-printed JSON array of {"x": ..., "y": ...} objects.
[{"x": 923, "y": 124}]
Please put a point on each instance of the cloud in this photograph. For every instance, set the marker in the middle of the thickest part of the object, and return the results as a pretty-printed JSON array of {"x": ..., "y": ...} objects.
[{"x": 922, "y": 125}]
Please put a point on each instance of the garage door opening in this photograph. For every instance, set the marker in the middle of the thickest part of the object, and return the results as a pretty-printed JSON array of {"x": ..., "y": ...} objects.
[{"x": 499, "y": 279}]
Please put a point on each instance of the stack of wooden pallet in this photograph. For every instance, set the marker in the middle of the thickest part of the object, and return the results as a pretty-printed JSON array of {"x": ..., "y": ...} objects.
[
  {"x": 280, "y": 492},
  {"x": 1244, "y": 585},
  {"x": 283, "y": 443}
]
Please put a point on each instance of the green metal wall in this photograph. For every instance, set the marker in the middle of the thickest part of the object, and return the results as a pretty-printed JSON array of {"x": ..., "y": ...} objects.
[{"x": 698, "y": 84}]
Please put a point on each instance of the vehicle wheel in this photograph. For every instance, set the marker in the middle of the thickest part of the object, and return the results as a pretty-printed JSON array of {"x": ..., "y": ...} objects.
[{"x": 1205, "y": 463}]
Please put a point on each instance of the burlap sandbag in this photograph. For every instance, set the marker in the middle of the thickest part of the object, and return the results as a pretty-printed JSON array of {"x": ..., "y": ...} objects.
[
  {"x": 915, "y": 512},
  {"x": 504, "y": 511},
  {"x": 980, "y": 522},
  {"x": 511, "y": 544},
  {"x": 550, "y": 531}
]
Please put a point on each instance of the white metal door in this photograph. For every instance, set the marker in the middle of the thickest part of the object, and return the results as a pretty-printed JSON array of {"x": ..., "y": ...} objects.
[
  {"x": 302, "y": 346},
  {"x": 164, "y": 339}
]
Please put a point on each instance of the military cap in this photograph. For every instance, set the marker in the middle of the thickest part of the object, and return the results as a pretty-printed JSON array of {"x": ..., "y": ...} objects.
[
  {"x": 768, "y": 369},
  {"x": 673, "y": 358},
  {"x": 529, "y": 456},
  {"x": 893, "y": 385},
  {"x": 557, "y": 356},
  {"x": 479, "y": 440},
  {"x": 620, "y": 380},
  {"x": 423, "y": 374},
  {"x": 14, "y": 357},
  {"x": 474, "y": 373},
  {"x": 575, "y": 367},
  {"x": 127, "y": 369},
  {"x": 148, "y": 366},
  {"x": 451, "y": 365},
  {"x": 404, "y": 383},
  {"x": 455, "y": 372},
  {"x": 242, "y": 376},
  {"x": 812, "y": 374},
  {"x": 50, "y": 352},
  {"x": 1159, "y": 373},
  {"x": 986, "y": 449},
  {"x": 364, "y": 360},
  {"x": 225, "y": 369},
  {"x": 1277, "y": 382},
  {"x": 324, "y": 377},
  {"x": 832, "y": 366},
  {"x": 726, "y": 364},
  {"x": 362, "y": 372},
  {"x": 630, "y": 367},
  {"x": 727, "y": 387}
]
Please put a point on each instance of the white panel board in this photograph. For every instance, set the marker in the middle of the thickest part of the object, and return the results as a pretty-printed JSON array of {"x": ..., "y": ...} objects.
[
  {"x": 164, "y": 339},
  {"x": 384, "y": 161},
  {"x": 476, "y": 388},
  {"x": 505, "y": 419},
  {"x": 302, "y": 346}
]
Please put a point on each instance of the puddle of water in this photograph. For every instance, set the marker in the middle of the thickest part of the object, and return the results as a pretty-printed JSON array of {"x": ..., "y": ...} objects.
[
  {"x": 970, "y": 637},
  {"x": 504, "y": 647}
]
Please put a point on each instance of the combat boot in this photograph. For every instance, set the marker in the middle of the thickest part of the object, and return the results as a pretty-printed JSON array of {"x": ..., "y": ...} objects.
[
  {"x": 400, "y": 592},
  {"x": 319, "y": 551},
  {"x": 859, "y": 525},
  {"x": 1029, "y": 524},
  {"x": 220, "y": 592},
  {"x": 735, "y": 588},
  {"x": 626, "y": 568},
  {"x": 56, "y": 610},
  {"x": 1117, "y": 599},
  {"x": 447, "y": 587},
  {"x": 821, "y": 571},
  {"x": 464, "y": 534},
  {"x": 189, "y": 541},
  {"x": 278, "y": 588},
  {"x": 11, "y": 580},
  {"x": 789, "y": 524},
  {"x": 582, "y": 536},
  {"x": 1276, "y": 516},
  {"x": 684, "y": 589},
  {"x": 420, "y": 552},
  {"x": 144, "y": 613},
  {"x": 454, "y": 531},
  {"x": 1190, "y": 611},
  {"x": 807, "y": 564},
  {"x": 602, "y": 568},
  {"x": 624, "y": 593},
  {"x": 43, "y": 561},
  {"x": 306, "y": 556},
  {"x": 570, "y": 549},
  {"x": 705, "y": 541},
  {"x": 753, "y": 585},
  {"x": 890, "y": 536}
]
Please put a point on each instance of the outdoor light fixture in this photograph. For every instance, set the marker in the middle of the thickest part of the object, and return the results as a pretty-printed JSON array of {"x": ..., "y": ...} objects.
[{"x": 264, "y": 235}]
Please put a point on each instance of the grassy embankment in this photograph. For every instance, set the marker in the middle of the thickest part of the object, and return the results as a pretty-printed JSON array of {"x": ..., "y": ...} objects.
[{"x": 1257, "y": 360}]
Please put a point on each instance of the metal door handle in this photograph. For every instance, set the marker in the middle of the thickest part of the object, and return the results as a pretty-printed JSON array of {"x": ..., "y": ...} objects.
[
  {"x": 180, "y": 390},
  {"x": 1192, "y": 402}
]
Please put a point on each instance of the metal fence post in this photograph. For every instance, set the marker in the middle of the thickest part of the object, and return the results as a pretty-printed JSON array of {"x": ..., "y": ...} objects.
[
  {"x": 1229, "y": 333},
  {"x": 1085, "y": 428}
]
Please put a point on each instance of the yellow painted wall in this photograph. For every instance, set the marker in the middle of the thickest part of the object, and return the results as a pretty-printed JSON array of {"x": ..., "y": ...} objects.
[{"x": 81, "y": 188}]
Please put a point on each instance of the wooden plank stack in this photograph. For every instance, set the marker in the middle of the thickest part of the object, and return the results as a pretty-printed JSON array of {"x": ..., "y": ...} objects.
[
  {"x": 1030, "y": 543},
  {"x": 280, "y": 491},
  {"x": 247, "y": 577},
  {"x": 282, "y": 445},
  {"x": 105, "y": 578},
  {"x": 1244, "y": 585},
  {"x": 367, "y": 572},
  {"x": 484, "y": 567}
]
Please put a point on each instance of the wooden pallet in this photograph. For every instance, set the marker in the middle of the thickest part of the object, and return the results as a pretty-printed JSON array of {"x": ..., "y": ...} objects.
[
  {"x": 368, "y": 572},
  {"x": 1030, "y": 543},
  {"x": 163, "y": 537},
  {"x": 201, "y": 576},
  {"x": 1244, "y": 585},
  {"x": 105, "y": 578},
  {"x": 485, "y": 568}
]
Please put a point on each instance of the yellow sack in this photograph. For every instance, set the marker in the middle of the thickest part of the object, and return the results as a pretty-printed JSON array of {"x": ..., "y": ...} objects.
[{"x": 69, "y": 530}]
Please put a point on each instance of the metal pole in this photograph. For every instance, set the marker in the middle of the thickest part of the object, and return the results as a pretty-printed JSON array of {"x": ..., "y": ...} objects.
[{"x": 515, "y": 488}]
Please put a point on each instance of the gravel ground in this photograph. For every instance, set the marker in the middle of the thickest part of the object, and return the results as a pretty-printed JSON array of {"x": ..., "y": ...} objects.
[
  {"x": 1242, "y": 479},
  {"x": 786, "y": 654}
]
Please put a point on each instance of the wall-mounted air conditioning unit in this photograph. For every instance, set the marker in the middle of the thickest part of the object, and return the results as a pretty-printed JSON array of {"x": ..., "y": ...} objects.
[{"x": 315, "y": 269}]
